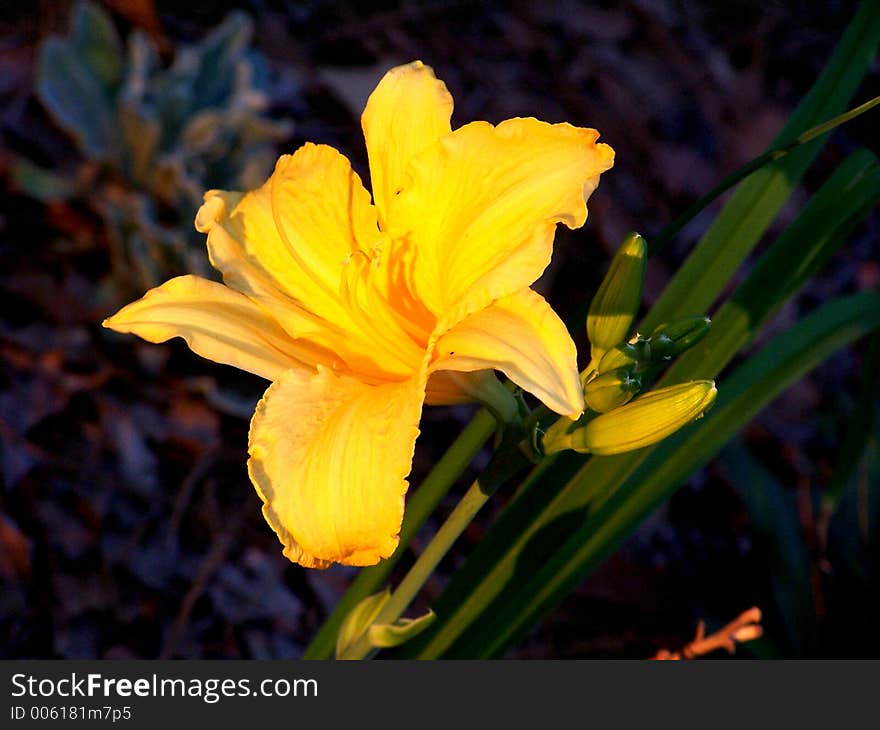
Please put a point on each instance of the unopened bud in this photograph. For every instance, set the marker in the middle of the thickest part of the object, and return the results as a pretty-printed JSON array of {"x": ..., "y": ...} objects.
[
  {"x": 646, "y": 420},
  {"x": 649, "y": 419},
  {"x": 626, "y": 354},
  {"x": 673, "y": 338},
  {"x": 617, "y": 301},
  {"x": 611, "y": 390}
]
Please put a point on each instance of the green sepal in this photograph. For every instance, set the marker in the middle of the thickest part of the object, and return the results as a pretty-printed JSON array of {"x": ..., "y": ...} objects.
[
  {"x": 359, "y": 621},
  {"x": 387, "y": 636}
]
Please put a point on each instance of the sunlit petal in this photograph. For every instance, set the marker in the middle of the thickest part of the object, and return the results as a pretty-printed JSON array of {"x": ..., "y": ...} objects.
[
  {"x": 329, "y": 457},
  {"x": 482, "y": 204},
  {"x": 219, "y": 324},
  {"x": 323, "y": 214},
  {"x": 407, "y": 112},
  {"x": 521, "y": 336},
  {"x": 295, "y": 244},
  {"x": 244, "y": 246},
  {"x": 293, "y": 234}
]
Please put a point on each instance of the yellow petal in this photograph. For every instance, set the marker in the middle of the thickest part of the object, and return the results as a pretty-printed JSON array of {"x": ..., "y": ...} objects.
[
  {"x": 329, "y": 458},
  {"x": 521, "y": 336},
  {"x": 482, "y": 205},
  {"x": 292, "y": 245},
  {"x": 383, "y": 330},
  {"x": 293, "y": 235},
  {"x": 219, "y": 324},
  {"x": 323, "y": 214},
  {"x": 244, "y": 246},
  {"x": 407, "y": 112}
]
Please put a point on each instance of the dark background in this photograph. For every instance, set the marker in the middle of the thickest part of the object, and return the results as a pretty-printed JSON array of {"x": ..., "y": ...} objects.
[{"x": 128, "y": 526}]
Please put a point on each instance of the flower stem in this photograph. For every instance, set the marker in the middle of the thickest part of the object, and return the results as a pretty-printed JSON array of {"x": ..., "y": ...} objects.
[
  {"x": 419, "y": 507},
  {"x": 504, "y": 465}
]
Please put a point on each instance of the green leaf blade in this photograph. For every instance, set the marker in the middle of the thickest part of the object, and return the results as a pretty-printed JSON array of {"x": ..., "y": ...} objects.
[
  {"x": 754, "y": 205},
  {"x": 750, "y": 388}
]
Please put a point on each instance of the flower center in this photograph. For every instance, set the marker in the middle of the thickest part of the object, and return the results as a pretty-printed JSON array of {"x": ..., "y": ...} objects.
[{"x": 378, "y": 292}]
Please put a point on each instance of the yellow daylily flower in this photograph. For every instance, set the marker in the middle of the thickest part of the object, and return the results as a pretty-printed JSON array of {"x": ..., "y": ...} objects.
[{"x": 361, "y": 311}]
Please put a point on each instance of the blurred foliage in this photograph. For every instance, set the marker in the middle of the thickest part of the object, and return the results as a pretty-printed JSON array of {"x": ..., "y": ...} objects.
[{"x": 157, "y": 136}]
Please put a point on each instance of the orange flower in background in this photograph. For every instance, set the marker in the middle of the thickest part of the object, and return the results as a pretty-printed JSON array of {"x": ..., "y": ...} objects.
[{"x": 361, "y": 311}]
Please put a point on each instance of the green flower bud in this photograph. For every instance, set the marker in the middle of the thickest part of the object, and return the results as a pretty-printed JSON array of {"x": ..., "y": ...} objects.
[
  {"x": 617, "y": 301},
  {"x": 611, "y": 390},
  {"x": 626, "y": 354},
  {"x": 673, "y": 338}
]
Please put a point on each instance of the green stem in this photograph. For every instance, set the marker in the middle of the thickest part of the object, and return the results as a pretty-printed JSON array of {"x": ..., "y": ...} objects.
[
  {"x": 419, "y": 507},
  {"x": 774, "y": 153},
  {"x": 504, "y": 465}
]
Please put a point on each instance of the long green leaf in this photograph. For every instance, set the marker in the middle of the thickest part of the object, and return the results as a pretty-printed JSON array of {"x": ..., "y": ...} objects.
[
  {"x": 859, "y": 428},
  {"x": 731, "y": 180},
  {"x": 852, "y": 537},
  {"x": 746, "y": 392},
  {"x": 799, "y": 252},
  {"x": 754, "y": 205},
  {"x": 514, "y": 544},
  {"x": 777, "y": 528}
]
